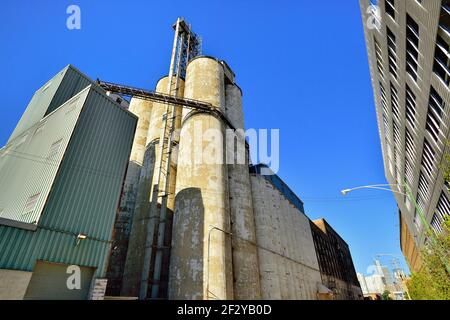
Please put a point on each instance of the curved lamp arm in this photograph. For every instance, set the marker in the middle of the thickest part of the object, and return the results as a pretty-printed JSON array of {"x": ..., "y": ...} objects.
[{"x": 374, "y": 186}]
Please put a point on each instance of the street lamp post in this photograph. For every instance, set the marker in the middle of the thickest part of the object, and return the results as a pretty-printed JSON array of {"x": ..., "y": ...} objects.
[{"x": 407, "y": 193}]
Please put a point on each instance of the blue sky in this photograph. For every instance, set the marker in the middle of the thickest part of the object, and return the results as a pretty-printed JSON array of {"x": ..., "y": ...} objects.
[{"x": 301, "y": 64}]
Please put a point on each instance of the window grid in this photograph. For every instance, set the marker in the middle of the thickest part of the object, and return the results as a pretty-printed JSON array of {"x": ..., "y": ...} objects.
[
  {"x": 410, "y": 104},
  {"x": 392, "y": 54},
  {"x": 389, "y": 6},
  {"x": 428, "y": 158},
  {"x": 442, "y": 210},
  {"x": 394, "y": 102},
  {"x": 379, "y": 56},
  {"x": 409, "y": 145},
  {"x": 441, "y": 65},
  {"x": 412, "y": 47},
  {"x": 434, "y": 114}
]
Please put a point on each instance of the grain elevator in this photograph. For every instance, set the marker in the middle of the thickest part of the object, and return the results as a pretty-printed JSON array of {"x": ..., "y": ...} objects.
[{"x": 196, "y": 220}]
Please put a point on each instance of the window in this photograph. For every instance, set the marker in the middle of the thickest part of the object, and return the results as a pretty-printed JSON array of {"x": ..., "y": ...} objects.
[
  {"x": 396, "y": 135},
  {"x": 442, "y": 210},
  {"x": 410, "y": 145},
  {"x": 410, "y": 106},
  {"x": 428, "y": 158},
  {"x": 412, "y": 47},
  {"x": 424, "y": 187},
  {"x": 379, "y": 56},
  {"x": 392, "y": 52},
  {"x": 441, "y": 59},
  {"x": 30, "y": 205},
  {"x": 394, "y": 102},
  {"x": 441, "y": 63},
  {"x": 389, "y": 6},
  {"x": 383, "y": 98},
  {"x": 444, "y": 21},
  {"x": 436, "y": 224},
  {"x": 54, "y": 148},
  {"x": 434, "y": 114}
]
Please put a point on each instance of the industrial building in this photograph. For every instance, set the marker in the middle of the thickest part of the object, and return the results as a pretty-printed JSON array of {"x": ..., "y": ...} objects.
[
  {"x": 61, "y": 176},
  {"x": 191, "y": 229},
  {"x": 335, "y": 262},
  {"x": 160, "y": 213},
  {"x": 408, "y": 48}
]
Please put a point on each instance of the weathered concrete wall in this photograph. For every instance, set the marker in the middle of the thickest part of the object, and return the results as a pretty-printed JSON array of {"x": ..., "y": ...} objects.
[
  {"x": 156, "y": 125},
  {"x": 147, "y": 179},
  {"x": 136, "y": 246},
  {"x": 122, "y": 226},
  {"x": 143, "y": 109},
  {"x": 288, "y": 262},
  {"x": 245, "y": 253},
  {"x": 13, "y": 284},
  {"x": 201, "y": 266},
  {"x": 233, "y": 105}
]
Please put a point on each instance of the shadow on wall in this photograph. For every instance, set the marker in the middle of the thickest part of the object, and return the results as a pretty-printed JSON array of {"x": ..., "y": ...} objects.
[
  {"x": 136, "y": 246},
  {"x": 186, "y": 262},
  {"x": 121, "y": 233}
]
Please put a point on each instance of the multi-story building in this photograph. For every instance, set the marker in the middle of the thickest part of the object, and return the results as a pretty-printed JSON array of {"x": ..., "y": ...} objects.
[
  {"x": 335, "y": 262},
  {"x": 408, "y": 48},
  {"x": 61, "y": 176}
]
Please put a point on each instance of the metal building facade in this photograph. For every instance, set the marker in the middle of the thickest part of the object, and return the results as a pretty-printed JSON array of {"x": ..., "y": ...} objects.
[
  {"x": 63, "y": 86},
  {"x": 408, "y": 48},
  {"x": 84, "y": 195},
  {"x": 84, "y": 183}
]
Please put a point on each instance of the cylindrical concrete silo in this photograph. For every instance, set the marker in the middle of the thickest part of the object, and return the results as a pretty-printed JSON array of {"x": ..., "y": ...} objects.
[
  {"x": 135, "y": 255},
  {"x": 122, "y": 228},
  {"x": 245, "y": 254},
  {"x": 200, "y": 266},
  {"x": 155, "y": 128}
]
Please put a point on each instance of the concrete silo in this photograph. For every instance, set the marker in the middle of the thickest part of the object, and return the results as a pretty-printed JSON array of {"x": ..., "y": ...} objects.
[
  {"x": 201, "y": 266},
  {"x": 245, "y": 255},
  {"x": 136, "y": 248}
]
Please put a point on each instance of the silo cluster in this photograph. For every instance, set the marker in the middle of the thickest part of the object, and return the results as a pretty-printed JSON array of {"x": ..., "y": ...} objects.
[{"x": 210, "y": 231}]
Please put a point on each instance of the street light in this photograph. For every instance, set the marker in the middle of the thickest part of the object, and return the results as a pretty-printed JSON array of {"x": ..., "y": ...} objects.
[
  {"x": 409, "y": 195},
  {"x": 374, "y": 186}
]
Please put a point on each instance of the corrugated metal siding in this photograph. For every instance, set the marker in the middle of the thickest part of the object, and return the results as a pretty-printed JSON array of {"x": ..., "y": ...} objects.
[
  {"x": 84, "y": 196},
  {"x": 26, "y": 170},
  {"x": 73, "y": 82},
  {"x": 64, "y": 85},
  {"x": 38, "y": 105}
]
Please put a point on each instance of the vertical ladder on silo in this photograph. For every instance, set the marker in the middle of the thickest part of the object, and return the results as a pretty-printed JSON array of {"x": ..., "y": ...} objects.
[{"x": 181, "y": 53}]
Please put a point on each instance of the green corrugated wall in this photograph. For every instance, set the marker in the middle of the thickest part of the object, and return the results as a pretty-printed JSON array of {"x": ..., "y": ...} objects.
[
  {"x": 64, "y": 85},
  {"x": 72, "y": 83},
  {"x": 84, "y": 195}
]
